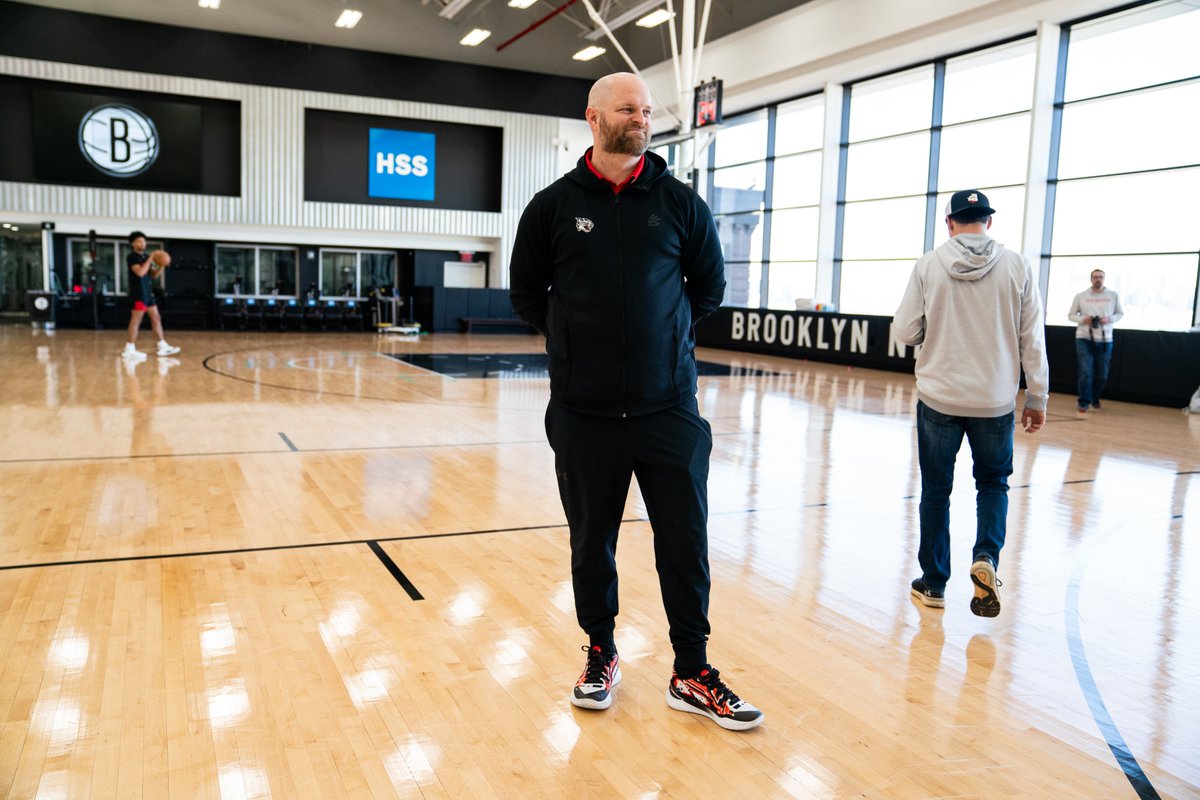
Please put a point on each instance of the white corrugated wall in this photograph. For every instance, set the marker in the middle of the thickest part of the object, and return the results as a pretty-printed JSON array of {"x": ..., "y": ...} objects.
[{"x": 272, "y": 206}]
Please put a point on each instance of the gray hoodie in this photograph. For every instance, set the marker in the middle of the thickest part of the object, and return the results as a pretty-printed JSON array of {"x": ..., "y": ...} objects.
[{"x": 974, "y": 308}]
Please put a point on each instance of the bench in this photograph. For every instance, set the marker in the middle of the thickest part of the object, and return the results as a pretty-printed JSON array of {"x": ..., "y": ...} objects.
[{"x": 495, "y": 322}]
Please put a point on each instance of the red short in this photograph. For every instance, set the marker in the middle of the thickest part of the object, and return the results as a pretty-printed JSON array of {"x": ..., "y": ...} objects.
[{"x": 138, "y": 305}]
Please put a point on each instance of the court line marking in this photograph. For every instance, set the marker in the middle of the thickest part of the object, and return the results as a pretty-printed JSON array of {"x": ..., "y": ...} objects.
[
  {"x": 344, "y": 542},
  {"x": 288, "y": 442},
  {"x": 1087, "y": 683},
  {"x": 364, "y": 449},
  {"x": 375, "y": 448},
  {"x": 397, "y": 573},
  {"x": 279, "y": 547}
]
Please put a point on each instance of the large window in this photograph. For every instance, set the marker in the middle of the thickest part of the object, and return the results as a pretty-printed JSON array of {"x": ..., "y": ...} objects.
[
  {"x": 764, "y": 190},
  {"x": 737, "y": 196},
  {"x": 1122, "y": 152},
  {"x": 1129, "y": 166},
  {"x": 887, "y": 179},
  {"x": 984, "y": 142},
  {"x": 255, "y": 269},
  {"x": 356, "y": 273},
  {"x": 794, "y": 203},
  {"x": 974, "y": 114},
  {"x": 276, "y": 271}
]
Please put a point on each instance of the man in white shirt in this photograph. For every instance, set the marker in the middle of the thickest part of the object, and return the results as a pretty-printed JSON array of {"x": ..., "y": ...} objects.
[
  {"x": 1094, "y": 311},
  {"x": 973, "y": 306}
]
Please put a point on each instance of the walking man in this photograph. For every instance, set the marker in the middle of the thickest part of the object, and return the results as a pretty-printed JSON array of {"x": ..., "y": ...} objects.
[
  {"x": 142, "y": 270},
  {"x": 974, "y": 308},
  {"x": 614, "y": 263},
  {"x": 1094, "y": 311}
]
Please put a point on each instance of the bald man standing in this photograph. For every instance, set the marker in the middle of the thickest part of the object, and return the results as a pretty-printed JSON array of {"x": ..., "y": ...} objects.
[{"x": 614, "y": 263}]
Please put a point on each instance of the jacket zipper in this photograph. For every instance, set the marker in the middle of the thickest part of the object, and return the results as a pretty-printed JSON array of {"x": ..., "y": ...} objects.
[{"x": 624, "y": 314}]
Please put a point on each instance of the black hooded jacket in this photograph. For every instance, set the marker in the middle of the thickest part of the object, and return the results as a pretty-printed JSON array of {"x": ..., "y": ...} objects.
[{"x": 616, "y": 282}]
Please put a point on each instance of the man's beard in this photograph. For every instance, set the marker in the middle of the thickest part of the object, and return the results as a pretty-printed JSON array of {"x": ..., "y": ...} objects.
[{"x": 621, "y": 141}]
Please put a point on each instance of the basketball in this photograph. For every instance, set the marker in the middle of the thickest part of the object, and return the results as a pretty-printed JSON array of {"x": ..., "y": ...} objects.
[{"x": 161, "y": 257}]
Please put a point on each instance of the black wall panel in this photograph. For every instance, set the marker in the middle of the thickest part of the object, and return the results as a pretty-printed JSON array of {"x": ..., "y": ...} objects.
[
  {"x": 337, "y": 161},
  {"x": 199, "y": 139}
]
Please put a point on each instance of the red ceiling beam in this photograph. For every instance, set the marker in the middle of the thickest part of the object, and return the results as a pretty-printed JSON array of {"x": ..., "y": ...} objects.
[{"x": 538, "y": 24}]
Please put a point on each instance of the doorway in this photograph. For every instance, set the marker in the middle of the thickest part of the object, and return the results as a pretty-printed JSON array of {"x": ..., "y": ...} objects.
[{"x": 20, "y": 265}]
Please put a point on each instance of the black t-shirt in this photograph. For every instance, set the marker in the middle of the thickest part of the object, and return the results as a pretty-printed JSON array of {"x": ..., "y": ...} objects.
[{"x": 139, "y": 285}]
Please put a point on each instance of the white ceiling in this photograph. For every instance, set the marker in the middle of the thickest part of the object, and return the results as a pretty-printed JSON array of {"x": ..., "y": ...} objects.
[{"x": 413, "y": 27}]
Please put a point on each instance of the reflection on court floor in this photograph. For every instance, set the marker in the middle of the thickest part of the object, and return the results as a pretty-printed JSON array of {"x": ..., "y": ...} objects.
[
  {"x": 316, "y": 565},
  {"x": 526, "y": 365}
]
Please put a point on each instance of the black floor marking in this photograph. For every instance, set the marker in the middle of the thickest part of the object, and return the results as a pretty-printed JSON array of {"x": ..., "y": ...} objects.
[
  {"x": 288, "y": 442},
  {"x": 277, "y": 547},
  {"x": 1091, "y": 693},
  {"x": 414, "y": 537},
  {"x": 400, "y": 577},
  {"x": 133, "y": 457}
]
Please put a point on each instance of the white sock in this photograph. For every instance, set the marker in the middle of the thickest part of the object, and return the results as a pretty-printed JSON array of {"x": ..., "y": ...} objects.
[{"x": 130, "y": 346}]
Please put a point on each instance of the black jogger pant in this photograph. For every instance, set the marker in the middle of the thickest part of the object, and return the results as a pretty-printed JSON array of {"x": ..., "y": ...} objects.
[{"x": 668, "y": 451}]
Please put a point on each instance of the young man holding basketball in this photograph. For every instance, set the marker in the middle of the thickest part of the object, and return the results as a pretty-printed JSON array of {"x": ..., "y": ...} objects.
[{"x": 143, "y": 268}]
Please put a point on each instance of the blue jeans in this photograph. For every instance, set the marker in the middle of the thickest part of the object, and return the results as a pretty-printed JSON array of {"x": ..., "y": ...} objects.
[
  {"x": 939, "y": 438},
  {"x": 1092, "y": 360}
]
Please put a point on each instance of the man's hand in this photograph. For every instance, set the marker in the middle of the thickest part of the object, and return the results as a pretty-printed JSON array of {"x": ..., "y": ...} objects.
[
  {"x": 1033, "y": 421},
  {"x": 1087, "y": 320}
]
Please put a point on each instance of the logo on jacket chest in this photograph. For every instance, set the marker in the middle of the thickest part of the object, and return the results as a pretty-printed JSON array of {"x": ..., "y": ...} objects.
[{"x": 585, "y": 225}]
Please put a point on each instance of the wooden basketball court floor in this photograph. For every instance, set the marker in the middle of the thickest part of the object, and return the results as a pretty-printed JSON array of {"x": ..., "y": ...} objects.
[{"x": 289, "y": 565}]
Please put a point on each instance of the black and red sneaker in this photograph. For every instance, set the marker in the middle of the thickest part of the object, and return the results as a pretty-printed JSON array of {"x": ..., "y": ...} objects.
[
  {"x": 707, "y": 694},
  {"x": 601, "y": 673}
]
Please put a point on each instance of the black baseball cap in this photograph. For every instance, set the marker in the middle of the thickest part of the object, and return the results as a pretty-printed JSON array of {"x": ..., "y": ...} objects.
[{"x": 968, "y": 200}]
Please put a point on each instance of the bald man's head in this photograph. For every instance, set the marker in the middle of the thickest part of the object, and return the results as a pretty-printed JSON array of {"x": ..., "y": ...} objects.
[
  {"x": 603, "y": 89},
  {"x": 619, "y": 110}
]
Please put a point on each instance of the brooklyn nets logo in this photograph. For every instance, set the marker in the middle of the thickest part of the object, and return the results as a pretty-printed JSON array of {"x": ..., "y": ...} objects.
[{"x": 118, "y": 140}]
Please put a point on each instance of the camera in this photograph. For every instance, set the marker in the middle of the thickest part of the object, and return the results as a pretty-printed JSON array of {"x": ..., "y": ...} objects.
[{"x": 1095, "y": 322}]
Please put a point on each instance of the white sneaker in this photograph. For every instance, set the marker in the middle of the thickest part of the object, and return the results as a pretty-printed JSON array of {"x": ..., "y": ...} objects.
[
  {"x": 165, "y": 349},
  {"x": 131, "y": 353}
]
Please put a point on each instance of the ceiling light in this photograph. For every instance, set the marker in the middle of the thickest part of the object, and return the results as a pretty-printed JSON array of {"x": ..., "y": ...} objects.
[
  {"x": 521, "y": 3},
  {"x": 348, "y": 19},
  {"x": 588, "y": 53},
  {"x": 474, "y": 37},
  {"x": 210, "y": 3},
  {"x": 453, "y": 7},
  {"x": 654, "y": 18},
  {"x": 637, "y": 12}
]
